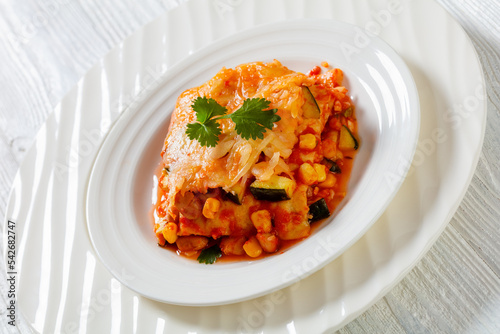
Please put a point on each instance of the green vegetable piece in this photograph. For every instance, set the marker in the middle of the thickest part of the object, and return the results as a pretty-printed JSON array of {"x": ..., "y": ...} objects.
[
  {"x": 210, "y": 255},
  {"x": 310, "y": 109},
  {"x": 206, "y": 133},
  {"x": 235, "y": 194},
  {"x": 348, "y": 112},
  {"x": 318, "y": 210},
  {"x": 251, "y": 120},
  {"x": 277, "y": 188},
  {"x": 206, "y": 130},
  {"x": 207, "y": 108},
  {"x": 347, "y": 141},
  {"x": 272, "y": 195},
  {"x": 335, "y": 168}
]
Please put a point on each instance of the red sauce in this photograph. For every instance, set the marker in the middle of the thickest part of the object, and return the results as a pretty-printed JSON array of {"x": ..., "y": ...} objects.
[{"x": 315, "y": 71}]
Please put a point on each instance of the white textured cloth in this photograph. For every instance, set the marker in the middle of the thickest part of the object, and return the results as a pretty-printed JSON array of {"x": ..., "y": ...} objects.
[{"x": 46, "y": 47}]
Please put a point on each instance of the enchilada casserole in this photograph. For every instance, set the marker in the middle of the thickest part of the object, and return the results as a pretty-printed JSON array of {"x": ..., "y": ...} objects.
[{"x": 249, "y": 197}]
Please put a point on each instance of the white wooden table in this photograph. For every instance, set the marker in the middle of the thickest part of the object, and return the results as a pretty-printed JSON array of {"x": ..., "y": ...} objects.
[{"x": 46, "y": 47}]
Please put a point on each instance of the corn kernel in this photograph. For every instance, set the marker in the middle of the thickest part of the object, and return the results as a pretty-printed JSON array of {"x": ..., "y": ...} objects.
[
  {"x": 211, "y": 207},
  {"x": 268, "y": 242},
  {"x": 252, "y": 247},
  {"x": 321, "y": 171},
  {"x": 307, "y": 141},
  {"x": 329, "y": 148},
  {"x": 310, "y": 156},
  {"x": 262, "y": 220},
  {"x": 170, "y": 232},
  {"x": 329, "y": 182},
  {"x": 308, "y": 174}
]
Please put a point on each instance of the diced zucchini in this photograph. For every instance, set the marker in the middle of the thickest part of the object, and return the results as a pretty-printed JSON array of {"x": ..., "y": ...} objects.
[
  {"x": 318, "y": 210},
  {"x": 347, "y": 140},
  {"x": 334, "y": 168},
  {"x": 310, "y": 108},
  {"x": 235, "y": 194},
  {"x": 277, "y": 188},
  {"x": 348, "y": 112}
]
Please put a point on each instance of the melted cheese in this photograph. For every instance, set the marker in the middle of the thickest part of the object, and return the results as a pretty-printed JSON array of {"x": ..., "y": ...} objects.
[{"x": 195, "y": 168}]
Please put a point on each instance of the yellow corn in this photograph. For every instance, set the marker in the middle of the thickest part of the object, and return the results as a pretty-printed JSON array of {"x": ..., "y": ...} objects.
[
  {"x": 170, "y": 232},
  {"x": 252, "y": 247},
  {"x": 329, "y": 182},
  {"x": 307, "y": 141},
  {"x": 329, "y": 148},
  {"x": 321, "y": 171},
  {"x": 262, "y": 221},
  {"x": 211, "y": 207},
  {"x": 308, "y": 174},
  {"x": 268, "y": 242}
]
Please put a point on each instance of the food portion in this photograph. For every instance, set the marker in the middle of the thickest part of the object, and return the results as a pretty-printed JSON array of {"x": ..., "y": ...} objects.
[{"x": 252, "y": 159}]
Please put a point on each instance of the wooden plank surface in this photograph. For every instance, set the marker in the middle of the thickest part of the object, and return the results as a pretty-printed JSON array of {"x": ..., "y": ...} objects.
[{"x": 45, "y": 47}]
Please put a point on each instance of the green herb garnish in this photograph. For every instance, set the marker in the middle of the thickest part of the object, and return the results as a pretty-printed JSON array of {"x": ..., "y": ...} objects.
[
  {"x": 251, "y": 120},
  {"x": 210, "y": 255},
  {"x": 348, "y": 112}
]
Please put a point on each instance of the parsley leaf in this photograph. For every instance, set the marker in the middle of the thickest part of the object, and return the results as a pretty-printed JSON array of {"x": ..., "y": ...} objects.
[
  {"x": 210, "y": 255},
  {"x": 251, "y": 120},
  {"x": 207, "y": 108},
  {"x": 206, "y": 133}
]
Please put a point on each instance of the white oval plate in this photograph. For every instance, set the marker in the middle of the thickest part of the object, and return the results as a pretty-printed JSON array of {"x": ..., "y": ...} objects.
[{"x": 119, "y": 193}]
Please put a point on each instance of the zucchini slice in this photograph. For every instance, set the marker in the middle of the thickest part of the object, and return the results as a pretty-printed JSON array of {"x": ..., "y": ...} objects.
[
  {"x": 310, "y": 109},
  {"x": 347, "y": 140},
  {"x": 318, "y": 210},
  {"x": 335, "y": 168},
  {"x": 235, "y": 194},
  {"x": 348, "y": 112},
  {"x": 277, "y": 188}
]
